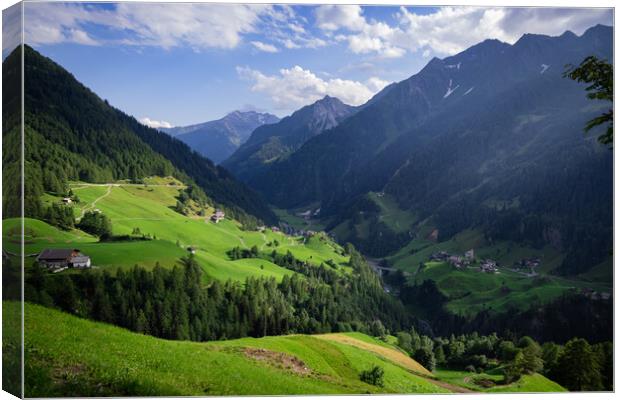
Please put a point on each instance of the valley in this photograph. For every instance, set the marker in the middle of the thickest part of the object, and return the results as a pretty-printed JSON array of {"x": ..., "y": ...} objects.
[{"x": 447, "y": 233}]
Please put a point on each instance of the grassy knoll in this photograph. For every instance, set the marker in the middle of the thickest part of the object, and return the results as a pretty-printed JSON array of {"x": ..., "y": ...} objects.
[
  {"x": 69, "y": 356},
  {"x": 491, "y": 381},
  {"x": 149, "y": 208}
]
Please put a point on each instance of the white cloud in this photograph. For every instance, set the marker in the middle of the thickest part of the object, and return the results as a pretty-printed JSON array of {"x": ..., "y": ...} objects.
[
  {"x": 335, "y": 17},
  {"x": 268, "y": 48},
  {"x": 11, "y": 28},
  {"x": 376, "y": 84},
  {"x": 47, "y": 23},
  {"x": 296, "y": 87},
  {"x": 166, "y": 25},
  {"x": 364, "y": 36},
  {"x": 195, "y": 25},
  {"x": 154, "y": 123},
  {"x": 444, "y": 31},
  {"x": 449, "y": 30},
  {"x": 453, "y": 29}
]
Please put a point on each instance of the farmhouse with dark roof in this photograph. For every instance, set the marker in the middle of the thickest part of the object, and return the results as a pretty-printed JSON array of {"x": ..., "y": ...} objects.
[{"x": 63, "y": 258}]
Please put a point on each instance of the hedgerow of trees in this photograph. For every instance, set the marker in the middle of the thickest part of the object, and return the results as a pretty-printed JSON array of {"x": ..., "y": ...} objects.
[{"x": 576, "y": 365}]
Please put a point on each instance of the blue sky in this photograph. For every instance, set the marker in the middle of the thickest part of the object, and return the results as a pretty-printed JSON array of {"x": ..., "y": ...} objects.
[{"x": 178, "y": 64}]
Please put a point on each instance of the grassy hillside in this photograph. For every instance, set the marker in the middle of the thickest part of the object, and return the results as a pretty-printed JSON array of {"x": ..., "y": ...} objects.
[
  {"x": 491, "y": 382},
  {"x": 470, "y": 291},
  {"x": 149, "y": 208},
  {"x": 74, "y": 357},
  {"x": 398, "y": 220}
]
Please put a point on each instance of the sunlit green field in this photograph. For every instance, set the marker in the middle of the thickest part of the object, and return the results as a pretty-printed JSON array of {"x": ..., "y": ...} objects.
[
  {"x": 149, "y": 208},
  {"x": 69, "y": 356}
]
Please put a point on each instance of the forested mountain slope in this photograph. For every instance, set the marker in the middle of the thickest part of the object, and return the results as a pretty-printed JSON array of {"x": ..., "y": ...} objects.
[
  {"x": 273, "y": 142},
  {"x": 72, "y": 134},
  {"x": 491, "y": 138}
]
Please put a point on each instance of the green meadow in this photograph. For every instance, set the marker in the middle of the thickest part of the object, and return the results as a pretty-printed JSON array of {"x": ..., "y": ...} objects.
[
  {"x": 470, "y": 291},
  {"x": 149, "y": 208},
  {"x": 391, "y": 214},
  {"x": 70, "y": 356}
]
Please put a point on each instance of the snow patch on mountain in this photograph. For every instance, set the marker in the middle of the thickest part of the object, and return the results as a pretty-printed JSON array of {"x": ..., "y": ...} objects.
[
  {"x": 544, "y": 67},
  {"x": 450, "y": 89},
  {"x": 468, "y": 91}
]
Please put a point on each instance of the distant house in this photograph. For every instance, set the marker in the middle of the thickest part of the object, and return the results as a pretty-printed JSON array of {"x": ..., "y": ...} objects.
[
  {"x": 192, "y": 250},
  {"x": 489, "y": 266},
  {"x": 470, "y": 255},
  {"x": 275, "y": 229},
  {"x": 458, "y": 262},
  {"x": 67, "y": 200},
  {"x": 218, "y": 216},
  {"x": 63, "y": 258}
]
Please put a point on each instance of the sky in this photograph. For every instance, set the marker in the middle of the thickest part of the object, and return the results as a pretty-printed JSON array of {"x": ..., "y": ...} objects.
[{"x": 177, "y": 64}]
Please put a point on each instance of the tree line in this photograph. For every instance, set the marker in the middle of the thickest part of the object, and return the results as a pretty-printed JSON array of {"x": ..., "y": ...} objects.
[
  {"x": 174, "y": 304},
  {"x": 577, "y": 365}
]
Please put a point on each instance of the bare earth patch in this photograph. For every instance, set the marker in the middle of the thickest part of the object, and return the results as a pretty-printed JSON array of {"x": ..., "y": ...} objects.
[{"x": 278, "y": 360}]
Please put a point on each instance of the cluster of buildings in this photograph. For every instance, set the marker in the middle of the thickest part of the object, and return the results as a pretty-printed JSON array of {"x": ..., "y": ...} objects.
[
  {"x": 530, "y": 263},
  {"x": 465, "y": 260},
  {"x": 594, "y": 295},
  {"x": 60, "y": 259},
  {"x": 456, "y": 261},
  {"x": 292, "y": 231}
]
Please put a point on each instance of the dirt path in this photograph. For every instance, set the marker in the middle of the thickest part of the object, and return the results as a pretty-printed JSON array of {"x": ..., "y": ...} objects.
[
  {"x": 262, "y": 246},
  {"x": 449, "y": 386},
  {"x": 83, "y": 185},
  {"x": 92, "y": 205}
]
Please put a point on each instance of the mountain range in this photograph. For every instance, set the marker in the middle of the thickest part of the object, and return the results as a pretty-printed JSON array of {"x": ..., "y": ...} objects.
[
  {"x": 218, "y": 139},
  {"x": 490, "y": 138},
  {"x": 272, "y": 143}
]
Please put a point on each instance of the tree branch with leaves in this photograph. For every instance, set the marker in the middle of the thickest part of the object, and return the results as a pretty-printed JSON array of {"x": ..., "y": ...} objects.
[{"x": 599, "y": 74}]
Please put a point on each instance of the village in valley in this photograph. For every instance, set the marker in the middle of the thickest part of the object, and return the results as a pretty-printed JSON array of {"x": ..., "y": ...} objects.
[{"x": 526, "y": 266}]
